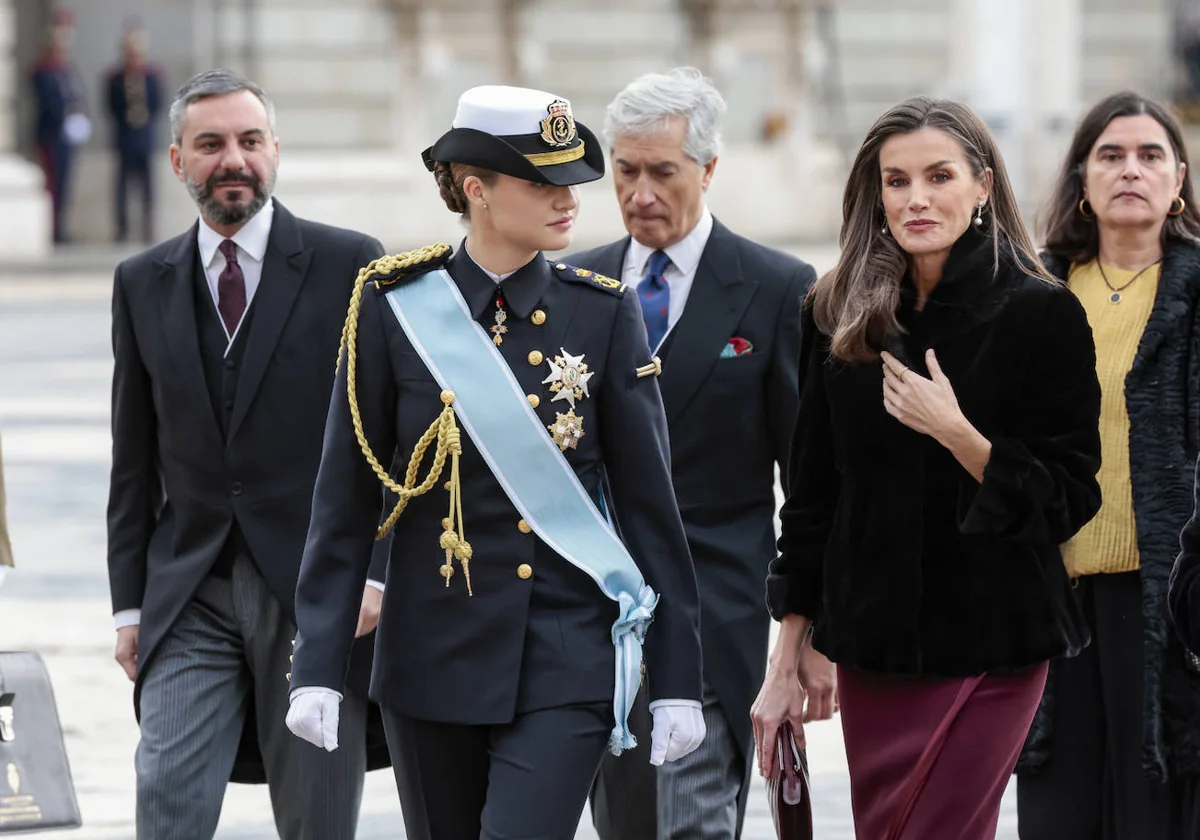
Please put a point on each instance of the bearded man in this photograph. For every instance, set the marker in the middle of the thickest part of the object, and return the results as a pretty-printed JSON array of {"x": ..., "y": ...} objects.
[{"x": 224, "y": 343}]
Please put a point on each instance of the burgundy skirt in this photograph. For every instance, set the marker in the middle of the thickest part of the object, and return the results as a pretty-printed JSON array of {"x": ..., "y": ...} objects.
[{"x": 931, "y": 757}]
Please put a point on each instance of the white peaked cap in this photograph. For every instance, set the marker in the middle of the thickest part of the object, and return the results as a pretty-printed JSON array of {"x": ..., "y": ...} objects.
[{"x": 504, "y": 111}]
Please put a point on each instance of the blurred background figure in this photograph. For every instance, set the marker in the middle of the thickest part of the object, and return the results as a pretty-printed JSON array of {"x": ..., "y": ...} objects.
[
  {"x": 62, "y": 122},
  {"x": 134, "y": 99}
]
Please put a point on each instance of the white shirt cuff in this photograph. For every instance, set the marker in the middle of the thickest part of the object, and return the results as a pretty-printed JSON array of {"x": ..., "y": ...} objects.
[
  {"x": 376, "y": 584},
  {"x": 313, "y": 689},
  {"x": 693, "y": 704},
  {"x": 127, "y": 618}
]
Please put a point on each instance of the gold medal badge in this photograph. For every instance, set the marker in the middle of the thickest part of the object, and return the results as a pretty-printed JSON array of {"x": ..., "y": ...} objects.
[
  {"x": 568, "y": 379},
  {"x": 566, "y": 430}
]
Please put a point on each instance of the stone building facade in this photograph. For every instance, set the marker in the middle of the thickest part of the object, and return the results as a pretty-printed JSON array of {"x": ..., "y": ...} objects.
[{"x": 361, "y": 86}]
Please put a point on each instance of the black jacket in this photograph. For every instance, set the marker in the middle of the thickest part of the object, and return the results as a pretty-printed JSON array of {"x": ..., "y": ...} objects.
[
  {"x": 730, "y": 423},
  {"x": 1162, "y": 396},
  {"x": 181, "y": 479},
  {"x": 905, "y": 562},
  {"x": 529, "y": 638}
]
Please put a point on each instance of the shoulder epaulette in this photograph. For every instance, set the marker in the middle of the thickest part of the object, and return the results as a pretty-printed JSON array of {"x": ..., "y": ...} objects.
[
  {"x": 589, "y": 278},
  {"x": 397, "y": 268}
]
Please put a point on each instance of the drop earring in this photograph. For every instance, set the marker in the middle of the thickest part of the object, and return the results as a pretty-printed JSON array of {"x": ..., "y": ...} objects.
[
  {"x": 979, "y": 214},
  {"x": 884, "y": 229}
]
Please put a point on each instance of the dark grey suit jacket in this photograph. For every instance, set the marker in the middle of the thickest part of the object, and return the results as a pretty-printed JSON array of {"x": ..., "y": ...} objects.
[
  {"x": 177, "y": 482},
  {"x": 730, "y": 424}
]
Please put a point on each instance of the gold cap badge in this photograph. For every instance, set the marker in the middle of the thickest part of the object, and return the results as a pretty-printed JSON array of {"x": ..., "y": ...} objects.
[{"x": 558, "y": 128}]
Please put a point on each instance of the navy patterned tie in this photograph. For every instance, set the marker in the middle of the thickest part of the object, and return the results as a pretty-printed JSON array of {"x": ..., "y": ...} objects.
[{"x": 655, "y": 295}]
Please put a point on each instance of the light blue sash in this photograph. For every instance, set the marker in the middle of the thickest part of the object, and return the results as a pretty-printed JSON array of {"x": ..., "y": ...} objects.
[{"x": 492, "y": 407}]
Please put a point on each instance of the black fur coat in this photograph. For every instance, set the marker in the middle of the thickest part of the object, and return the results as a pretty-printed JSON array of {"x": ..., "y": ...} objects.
[
  {"x": 1162, "y": 394},
  {"x": 906, "y": 563}
]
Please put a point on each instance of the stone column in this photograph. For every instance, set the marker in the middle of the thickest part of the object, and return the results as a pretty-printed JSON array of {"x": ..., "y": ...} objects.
[
  {"x": 1056, "y": 94},
  {"x": 25, "y": 213},
  {"x": 1001, "y": 80},
  {"x": 701, "y": 18},
  {"x": 1020, "y": 65}
]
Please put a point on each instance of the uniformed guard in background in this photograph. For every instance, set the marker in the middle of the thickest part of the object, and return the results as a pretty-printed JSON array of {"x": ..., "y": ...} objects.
[{"x": 511, "y": 633}]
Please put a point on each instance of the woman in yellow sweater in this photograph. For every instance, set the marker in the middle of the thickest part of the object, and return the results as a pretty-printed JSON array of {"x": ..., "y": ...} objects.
[{"x": 1114, "y": 751}]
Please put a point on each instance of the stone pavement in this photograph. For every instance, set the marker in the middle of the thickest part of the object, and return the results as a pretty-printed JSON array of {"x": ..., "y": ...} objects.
[{"x": 55, "y": 364}]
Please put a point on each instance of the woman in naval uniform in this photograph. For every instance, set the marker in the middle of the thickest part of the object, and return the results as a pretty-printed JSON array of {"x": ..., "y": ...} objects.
[{"x": 509, "y": 645}]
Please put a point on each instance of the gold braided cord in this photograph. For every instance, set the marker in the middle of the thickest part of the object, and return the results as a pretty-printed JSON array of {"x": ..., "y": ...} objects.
[{"x": 443, "y": 429}]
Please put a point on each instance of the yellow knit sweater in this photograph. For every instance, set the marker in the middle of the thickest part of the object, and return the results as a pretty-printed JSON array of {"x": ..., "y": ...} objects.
[{"x": 1108, "y": 544}]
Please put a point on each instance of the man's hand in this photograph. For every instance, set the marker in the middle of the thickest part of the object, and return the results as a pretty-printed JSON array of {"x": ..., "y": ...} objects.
[
  {"x": 127, "y": 650},
  {"x": 819, "y": 680},
  {"x": 368, "y": 613}
]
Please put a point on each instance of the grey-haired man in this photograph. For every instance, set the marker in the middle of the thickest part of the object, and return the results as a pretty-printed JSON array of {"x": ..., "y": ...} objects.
[
  {"x": 224, "y": 340},
  {"x": 723, "y": 314}
]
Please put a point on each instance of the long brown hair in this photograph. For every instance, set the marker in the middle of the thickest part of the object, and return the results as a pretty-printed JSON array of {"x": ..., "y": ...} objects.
[
  {"x": 1077, "y": 237},
  {"x": 855, "y": 303}
]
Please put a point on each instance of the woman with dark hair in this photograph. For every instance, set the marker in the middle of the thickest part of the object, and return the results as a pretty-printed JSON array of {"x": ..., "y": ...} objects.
[
  {"x": 946, "y": 444},
  {"x": 1114, "y": 751},
  {"x": 509, "y": 648}
]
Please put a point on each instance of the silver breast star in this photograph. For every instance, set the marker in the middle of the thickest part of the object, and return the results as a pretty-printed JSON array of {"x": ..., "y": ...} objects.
[{"x": 568, "y": 378}]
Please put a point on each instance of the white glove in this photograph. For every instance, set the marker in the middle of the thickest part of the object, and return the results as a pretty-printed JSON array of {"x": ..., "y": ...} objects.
[
  {"x": 678, "y": 729},
  {"x": 313, "y": 716}
]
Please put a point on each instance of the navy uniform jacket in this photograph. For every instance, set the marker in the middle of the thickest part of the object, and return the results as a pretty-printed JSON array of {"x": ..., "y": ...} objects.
[
  {"x": 56, "y": 86},
  {"x": 523, "y": 641},
  {"x": 134, "y": 102}
]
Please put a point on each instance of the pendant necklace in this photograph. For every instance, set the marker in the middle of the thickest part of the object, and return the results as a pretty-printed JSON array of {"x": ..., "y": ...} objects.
[{"x": 1115, "y": 293}]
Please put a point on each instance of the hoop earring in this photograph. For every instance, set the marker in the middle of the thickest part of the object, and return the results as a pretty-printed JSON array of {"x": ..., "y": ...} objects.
[
  {"x": 979, "y": 214},
  {"x": 1182, "y": 206},
  {"x": 1087, "y": 214}
]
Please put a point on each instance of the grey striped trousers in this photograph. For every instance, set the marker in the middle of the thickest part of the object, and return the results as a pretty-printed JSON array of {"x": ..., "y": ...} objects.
[
  {"x": 698, "y": 797},
  {"x": 230, "y": 646}
]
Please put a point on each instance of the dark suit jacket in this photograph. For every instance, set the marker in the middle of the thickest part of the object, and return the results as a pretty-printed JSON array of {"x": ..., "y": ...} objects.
[
  {"x": 730, "y": 424},
  {"x": 178, "y": 484},
  {"x": 522, "y": 642}
]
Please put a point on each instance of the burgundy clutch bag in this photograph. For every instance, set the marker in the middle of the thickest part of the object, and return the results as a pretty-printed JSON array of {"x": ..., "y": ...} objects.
[{"x": 788, "y": 790}]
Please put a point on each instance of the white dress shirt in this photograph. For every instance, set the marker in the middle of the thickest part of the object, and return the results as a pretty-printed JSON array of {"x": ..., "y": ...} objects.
[
  {"x": 680, "y": 274},
  {"x": 496, "y": 278},
  {"x": 251, "y": 242}
]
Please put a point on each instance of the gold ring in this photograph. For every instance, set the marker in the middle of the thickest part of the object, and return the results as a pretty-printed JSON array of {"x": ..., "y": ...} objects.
[{"x": 903, "y": 370}]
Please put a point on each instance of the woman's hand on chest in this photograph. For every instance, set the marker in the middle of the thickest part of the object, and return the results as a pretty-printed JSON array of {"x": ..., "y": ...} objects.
[{"x": 925, "y": 404}]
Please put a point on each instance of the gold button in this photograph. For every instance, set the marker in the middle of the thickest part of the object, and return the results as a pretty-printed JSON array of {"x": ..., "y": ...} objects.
[
  {"x": 524, "y": 571},
  {"x": 523, "y": 527},
  {"x": 534, "y": 400},
  {"x": 535, "y": 357},
  {"x": 447, "y": 397},
  {"x": 289, "y": 676},
  {"x": 538, "y": 317},
  {"x": 561, "y": 266}
]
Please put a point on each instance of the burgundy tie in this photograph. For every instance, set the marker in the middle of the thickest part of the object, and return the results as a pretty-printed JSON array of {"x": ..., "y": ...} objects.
[{"x": 231, "y": 288}]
